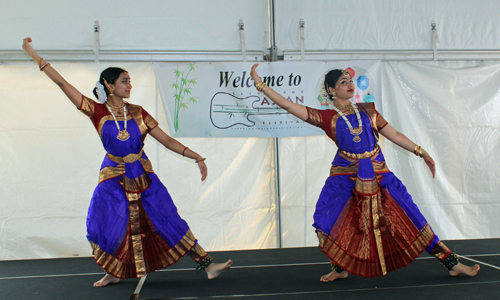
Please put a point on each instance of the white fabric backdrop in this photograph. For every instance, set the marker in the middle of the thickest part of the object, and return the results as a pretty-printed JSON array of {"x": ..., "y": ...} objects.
[
  {"x": 50, "y": 153},
  {"x": 134, "y": 25},
  {"x": 213, "y": 25},
  {"x": 50, "y": 156},
  {"x": 452, "y": 110},
  {"x": 389, "y": 24}
]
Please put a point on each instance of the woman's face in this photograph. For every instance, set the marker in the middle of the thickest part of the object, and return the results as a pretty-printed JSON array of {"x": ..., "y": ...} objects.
[
  {"x": 122, "y": 86},
  {"x": 344, "y": 88}
]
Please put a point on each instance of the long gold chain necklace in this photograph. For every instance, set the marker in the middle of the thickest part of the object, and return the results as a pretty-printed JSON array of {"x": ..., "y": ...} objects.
[
  {"x": 354, "y": 131},
  {"x": 123, "y": 135}
]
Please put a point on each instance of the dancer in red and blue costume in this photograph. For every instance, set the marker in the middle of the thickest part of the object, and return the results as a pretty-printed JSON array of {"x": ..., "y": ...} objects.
[
  {"x": 366, "y": 221},
  {"x": 133, "y": 225}
]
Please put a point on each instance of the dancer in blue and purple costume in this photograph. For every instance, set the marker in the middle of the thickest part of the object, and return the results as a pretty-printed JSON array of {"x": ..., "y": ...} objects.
[
  {"x": 132, "y": 224},
  {"x": 366, "y": 221}
]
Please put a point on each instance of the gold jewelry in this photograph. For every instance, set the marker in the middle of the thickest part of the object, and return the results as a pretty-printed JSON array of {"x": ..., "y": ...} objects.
[
  {"x": 344, "y": 107},
  {"x": 45, "y": 65},
  {"x": 418, "y": 151},
  {"x": 345, "y": 72},
  {"x": 116, "y": 107},
  {"x": 367, "y": 154},
  {"x": 109, "y": 88},
  {"x": 123, "y": 135},
  {"x": 354, "y": 131},
  {"x": 261, "y": 86},
  {"x": 258, "y": 85}
]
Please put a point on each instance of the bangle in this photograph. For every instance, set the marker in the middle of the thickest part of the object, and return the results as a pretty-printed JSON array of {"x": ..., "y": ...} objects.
[
  {"x": 261, "y": 86},
  {"x": 199, "y": 160},
  {"x": 40, "y": 64},
  {"x": 184, "y": 150},
  {"x": 418, "y": 150},
  {"x": 45, "y": 65}
]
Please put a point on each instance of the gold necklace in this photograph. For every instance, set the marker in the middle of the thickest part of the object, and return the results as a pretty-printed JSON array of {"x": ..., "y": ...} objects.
[
  {"x": 123, "y": 135},
  {"x": 354, "y": 131},
  {"x": 116, "y": 107},
  {"x": 344, "y": 107}
]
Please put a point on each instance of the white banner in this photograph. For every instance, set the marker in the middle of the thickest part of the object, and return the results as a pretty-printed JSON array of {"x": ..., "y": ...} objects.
[{"x": 220, "y": 99}]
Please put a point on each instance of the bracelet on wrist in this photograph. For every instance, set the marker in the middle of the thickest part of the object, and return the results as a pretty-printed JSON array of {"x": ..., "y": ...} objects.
[
  {"x": 199, "y": 160},
  {"x": 418, "y": 151},
  {"x": 261, "y": 86},
  {"x": 45, "y": 65}
]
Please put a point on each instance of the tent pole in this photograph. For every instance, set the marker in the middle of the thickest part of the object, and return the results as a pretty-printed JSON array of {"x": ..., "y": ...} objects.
[{"x": 273, "y": 56}]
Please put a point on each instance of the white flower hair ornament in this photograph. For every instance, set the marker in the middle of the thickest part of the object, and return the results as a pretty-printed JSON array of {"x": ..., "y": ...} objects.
[{"x": 101, "y": 93}]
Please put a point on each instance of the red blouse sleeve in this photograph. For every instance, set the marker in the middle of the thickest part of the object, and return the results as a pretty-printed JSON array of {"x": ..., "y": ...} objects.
[
  {"x": 381, "y": 122},
  {"x": 322, "y": 119},
  {"x": 87, "y": 107},
  {"x": 150, "y": 122}
]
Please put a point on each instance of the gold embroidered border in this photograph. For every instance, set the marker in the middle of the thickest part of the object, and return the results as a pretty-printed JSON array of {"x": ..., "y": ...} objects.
[
  {"x": 87, "y": 106},
  {"x": 378, "y": 167},
  {"x": 135, "y": 234},
  {"x": 136, "y": 112},
  {"x": 440, "y": 251},
  {"x": 376, "y": 203},
  {"x": 334, "y": 128},
  {"x": 124, "y": 267},
  {"x": 372, "y": 269},
  {"x": 111, "y": 172},
  {"x": 150, "y": 122},
  {"x": 369, "y": 109},
  {"x": 138, "y": 184},
  {"x": 110, "y": 118},
  {"x": 146, "y": 164},
  {"x": 367, "y": 187},
  {"x": 314, "y": 117}
]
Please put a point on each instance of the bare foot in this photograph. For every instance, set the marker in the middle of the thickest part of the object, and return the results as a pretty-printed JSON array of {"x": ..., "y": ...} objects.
[
  {"x": 463, "y": 269},
  {"x": 333, "y": 275},
  {"x": 215, "y": 270},
  {"x": 108, "y": 278}
]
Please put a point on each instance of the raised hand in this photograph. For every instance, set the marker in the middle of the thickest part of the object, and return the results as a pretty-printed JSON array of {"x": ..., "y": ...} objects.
[
  {"x": 29, "y": 49},
  {"x": 253, "y": 73}
]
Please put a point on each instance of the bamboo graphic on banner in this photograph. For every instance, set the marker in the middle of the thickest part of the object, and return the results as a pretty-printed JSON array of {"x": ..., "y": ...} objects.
[{"x": 182, "y": 88}]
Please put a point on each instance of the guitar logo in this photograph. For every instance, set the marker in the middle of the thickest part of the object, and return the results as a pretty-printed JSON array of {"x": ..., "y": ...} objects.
[{"x": 227, "y": 110}]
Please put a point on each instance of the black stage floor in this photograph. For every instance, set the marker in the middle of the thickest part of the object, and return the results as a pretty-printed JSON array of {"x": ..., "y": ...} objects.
[{"x": 290, "y": 273}]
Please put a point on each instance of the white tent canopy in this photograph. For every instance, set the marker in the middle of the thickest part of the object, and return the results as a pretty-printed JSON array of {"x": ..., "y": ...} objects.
[{"x": 50, "y": 153}]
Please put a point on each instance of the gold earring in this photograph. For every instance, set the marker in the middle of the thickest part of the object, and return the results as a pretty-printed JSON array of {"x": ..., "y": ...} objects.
[{"x": 108, "y": 87}]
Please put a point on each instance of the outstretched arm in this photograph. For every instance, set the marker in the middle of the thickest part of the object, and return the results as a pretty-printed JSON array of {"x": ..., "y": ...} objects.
[
  {"x": 73, "y": 94},
  {"x": 401, "y": 140},
  {"x": 174, "y": 145},
  {"x": 295, "y": 109}
]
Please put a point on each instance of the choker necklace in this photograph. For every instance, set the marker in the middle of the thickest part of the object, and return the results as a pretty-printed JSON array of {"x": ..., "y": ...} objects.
[
  {"x": 123, "y": 135},
  {"x": 354, "y": 131},
  {"x": 348, "y": 106},
  {"x": 116, "y": 107}
]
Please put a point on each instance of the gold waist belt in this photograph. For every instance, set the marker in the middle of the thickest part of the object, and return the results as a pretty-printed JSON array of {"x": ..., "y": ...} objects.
[
  {"x": 128, "y": 159},
  {"x": 367, "y": 154}
]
